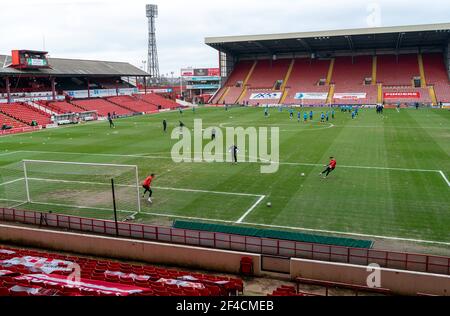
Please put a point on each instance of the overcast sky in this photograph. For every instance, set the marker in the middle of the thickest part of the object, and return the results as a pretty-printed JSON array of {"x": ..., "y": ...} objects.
[{"x": 117, "y": 29}]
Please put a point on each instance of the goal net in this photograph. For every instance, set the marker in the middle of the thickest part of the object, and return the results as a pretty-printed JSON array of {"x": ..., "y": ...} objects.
[{"x": 82, "y": 185}]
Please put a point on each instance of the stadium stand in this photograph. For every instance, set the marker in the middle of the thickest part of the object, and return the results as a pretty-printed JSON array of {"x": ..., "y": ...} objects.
[
  {"x": 349, "y": 77},
  {"x": 234, "y": 83},
  {"x": 265, "y": 77},
  {"x": 267, "y": 72},
  {"x": 62, "y": 107},
  {"x": 103, "y": 107},
  {"x": 397, "y": 70},
  {"x": 437, "y": 75},
  {"x": 26, "y": 272},
  {"x": 305, "y": 77},
  {"x": 25, "y": 113},
  {"x": 8, "y": 121},
  {"x": 157, "y": 100},
  {"x": 133, "y": 104}
]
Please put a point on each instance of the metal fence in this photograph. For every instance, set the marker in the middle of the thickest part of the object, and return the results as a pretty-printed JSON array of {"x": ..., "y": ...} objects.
[{"x": 264, "y": 246}]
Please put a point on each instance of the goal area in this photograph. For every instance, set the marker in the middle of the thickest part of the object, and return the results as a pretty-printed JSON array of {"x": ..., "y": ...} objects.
[{"x": 82, "y": 185}]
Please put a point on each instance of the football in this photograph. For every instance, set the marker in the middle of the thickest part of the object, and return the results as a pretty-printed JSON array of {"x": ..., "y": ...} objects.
[{"x": 269, "y": 204}]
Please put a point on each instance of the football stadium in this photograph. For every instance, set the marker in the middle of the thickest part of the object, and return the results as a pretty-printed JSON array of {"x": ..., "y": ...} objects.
[{"x": 321, "y": 161}]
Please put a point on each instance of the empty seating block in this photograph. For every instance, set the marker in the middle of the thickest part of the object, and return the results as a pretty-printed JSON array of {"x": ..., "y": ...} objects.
[
  {"x": 25, "y": 113},
  {"x": 102, "y": 107},
  {"x": 63, "y": 107},
  {"x": 437, "y": 76},
  {"x": 286, "y": 290},
  {"x": 134, "y": 104},
  {"x": 9, "y": 121},
  {"x": 398, "y": 70},
  {"x": 267, "y": 72},
  {"x": 239, "y": 74},
  {"x": 304, "y": 78},
  {"x": 348, "y": 77},
  {"x": 22, "y": 275},
  {"x": 157, "y": 100}
]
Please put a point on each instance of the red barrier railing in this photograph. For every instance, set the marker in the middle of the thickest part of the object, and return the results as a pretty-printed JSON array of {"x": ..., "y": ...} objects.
[{"x": 264, "y": 246}]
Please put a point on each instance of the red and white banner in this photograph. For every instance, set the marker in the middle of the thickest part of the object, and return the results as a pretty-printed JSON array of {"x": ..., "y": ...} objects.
[
  {"x": 6, "y": 273},
  {"x": 182, "y": 283},
  {"x": 7, "y": 252},
  {"x": 350, "y": 96},
  {"x": 213, "y": 72},
  {"x": 127, "y": 275},
  {"x": 200, "y": 72},
  {"x": 401, "y": 95},
  {"x": 187, "y": 72},
  {"x": 85, "y": 284},
  {"x": 39, "y": 264}
]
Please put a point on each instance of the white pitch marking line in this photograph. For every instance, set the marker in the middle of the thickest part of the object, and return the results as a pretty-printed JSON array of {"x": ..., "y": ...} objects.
[
  {"x": 204, "y": 191},
  {"x": 8, "y": 153},
  {"x": 445, "y": 178},
  {"x": 240, "y": 220},
  {"x": 134, "y": 186},
  {"x": 19, "y": 204},
  {"x": 12, "y": 181},
  {"x": 187, "y": 217},
  {"x": 349, "y": 234},
  {"x": 8, "y": 200},
  {"x": 281, "y": 163}
]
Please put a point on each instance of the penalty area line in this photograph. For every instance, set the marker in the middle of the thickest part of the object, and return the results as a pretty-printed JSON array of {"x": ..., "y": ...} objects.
[
  {"x": 8, "y": 153},
  {"x": 240, "y": 220},
  {"x": 263, "y": 161},
  {"x": 445, "y": 178},
  {"x": 205, "y": 191}
]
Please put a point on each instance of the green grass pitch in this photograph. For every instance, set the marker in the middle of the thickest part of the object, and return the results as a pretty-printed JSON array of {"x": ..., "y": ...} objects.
[{"x": 390, "y": 180}]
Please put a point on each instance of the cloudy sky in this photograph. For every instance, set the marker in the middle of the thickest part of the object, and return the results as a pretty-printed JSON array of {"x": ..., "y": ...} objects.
[{"x": 117, "y": 29}]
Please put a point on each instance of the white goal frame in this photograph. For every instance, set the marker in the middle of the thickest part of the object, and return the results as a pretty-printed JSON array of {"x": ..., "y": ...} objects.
[{"x": 26, "y": 178}]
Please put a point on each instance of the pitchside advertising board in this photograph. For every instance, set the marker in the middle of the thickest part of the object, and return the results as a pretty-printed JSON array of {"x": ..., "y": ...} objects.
[
  {"x": 401, "y": 95},
  {"x": 100, "y": 93},
  {"x": 266, "y": 96},
  {"x": 311, "y": 96},
  {"x": 349, "y": 96},
  {"x": 202, "y": 86},
  {"x": 324, "y": 96},
  {"x": 200, "y": 72},
  {"x": 169, "y": 90}
]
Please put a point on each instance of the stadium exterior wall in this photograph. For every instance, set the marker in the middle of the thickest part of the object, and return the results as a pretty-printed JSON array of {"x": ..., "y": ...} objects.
[
  {"x": 398, "y": 281},
  {"x": 131, "y": 250}
]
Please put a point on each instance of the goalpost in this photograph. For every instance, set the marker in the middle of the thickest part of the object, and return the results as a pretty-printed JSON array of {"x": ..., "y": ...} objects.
[{"x": 82, "y": 185}]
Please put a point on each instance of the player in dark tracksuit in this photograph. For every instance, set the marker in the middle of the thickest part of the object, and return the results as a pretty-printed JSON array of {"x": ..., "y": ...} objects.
[
  {"x": 165, "y": 125},
  {"x": 234, "y": 150},
  {"x": 111, "y": 123}
]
